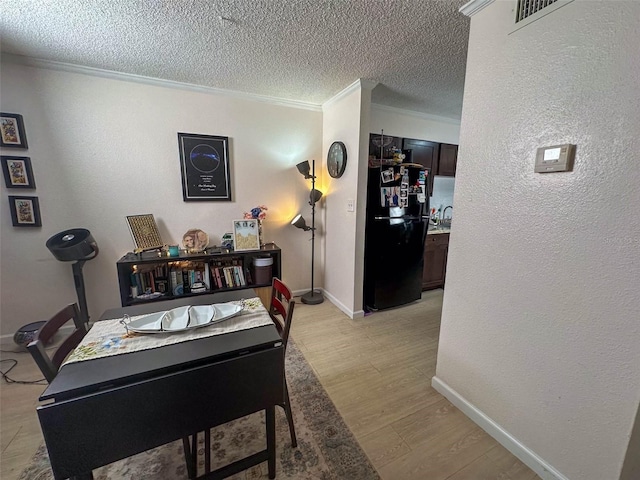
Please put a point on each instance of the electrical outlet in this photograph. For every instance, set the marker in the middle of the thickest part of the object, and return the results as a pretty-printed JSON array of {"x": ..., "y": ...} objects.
[{"x": 350, "y": 205}]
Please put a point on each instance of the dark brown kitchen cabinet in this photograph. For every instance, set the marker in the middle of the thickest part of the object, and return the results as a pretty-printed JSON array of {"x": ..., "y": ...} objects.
[
  {"x": 426, "y": 154},
  {"x": 436, "y": 247},
  {"x": 448, "y": 160}
]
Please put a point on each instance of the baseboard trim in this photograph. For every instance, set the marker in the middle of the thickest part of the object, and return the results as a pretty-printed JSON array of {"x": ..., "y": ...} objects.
[
  {"x": 346, "y": 310},
  {"x": 508, "y": 441},
  {"x": 7, "y": 343},
  {"x": 7, "y": 340}
]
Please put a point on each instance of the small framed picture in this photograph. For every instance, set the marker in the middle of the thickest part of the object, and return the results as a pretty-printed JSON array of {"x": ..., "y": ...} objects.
[
  {"x": 246, "y": 234},
  {"x": 195, "y": 240},
  {"x": 17, "y": 172},
  {"x": 387, "y": 175},
  {"x": 389, "y": 196},
  {"x": 25, "y": 211},
  {"x": 12, "y": 131},
  {"x": 144, "y": 232}
]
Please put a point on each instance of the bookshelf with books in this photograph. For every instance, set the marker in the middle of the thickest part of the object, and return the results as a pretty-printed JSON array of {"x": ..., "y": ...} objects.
[{"x": 148, "y": 277}]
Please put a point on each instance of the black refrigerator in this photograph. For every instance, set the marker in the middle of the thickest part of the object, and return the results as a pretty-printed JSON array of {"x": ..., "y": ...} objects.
[{"x": 396, "y": 228}]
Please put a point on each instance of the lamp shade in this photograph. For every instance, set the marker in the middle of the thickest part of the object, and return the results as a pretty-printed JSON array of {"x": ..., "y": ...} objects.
[
  {"x": 304, "y": 168},
  {"x": 299, "y": 222},
  {"x": 314, "y": 196}
]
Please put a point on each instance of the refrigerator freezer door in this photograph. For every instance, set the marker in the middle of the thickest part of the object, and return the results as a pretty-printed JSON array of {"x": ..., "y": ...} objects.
[{"x": 393, "y": 276}]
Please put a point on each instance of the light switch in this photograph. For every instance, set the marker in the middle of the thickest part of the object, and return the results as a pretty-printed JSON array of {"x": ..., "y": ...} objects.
[{"x": 350, "y": 205}]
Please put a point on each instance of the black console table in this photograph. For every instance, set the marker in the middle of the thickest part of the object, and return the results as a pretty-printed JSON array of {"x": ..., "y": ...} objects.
[{"x": 148, "y": 277}]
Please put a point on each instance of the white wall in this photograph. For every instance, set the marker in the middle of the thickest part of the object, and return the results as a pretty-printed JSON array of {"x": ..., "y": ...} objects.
[
  {"x": 540, "y": 323},
  {"x": 406, "y": 124},
  {"x": 344, "y": 240},
  {"x": 102, "y": 149},
  {"x": 443, "y": 188}
]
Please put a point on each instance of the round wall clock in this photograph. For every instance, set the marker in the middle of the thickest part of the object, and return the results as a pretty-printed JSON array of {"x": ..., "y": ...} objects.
[{"x": 337, "y": 159}]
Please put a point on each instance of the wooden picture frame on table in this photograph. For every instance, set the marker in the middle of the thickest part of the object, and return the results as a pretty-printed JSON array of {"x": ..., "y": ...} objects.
[
  {"x": 12, "y": 134},
  {"x": 17, "y": 172},
  {"x": 246, "y": 234},
  {"x": 25, "y": 211},
  {"x": 144, "y": 232},
  {"x": 204, "y": 165}
]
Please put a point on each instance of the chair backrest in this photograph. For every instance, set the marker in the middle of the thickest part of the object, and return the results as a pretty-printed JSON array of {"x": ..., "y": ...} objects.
[
  {"x": 50, "y": 365},
  {"x": 281, "y": 308}
]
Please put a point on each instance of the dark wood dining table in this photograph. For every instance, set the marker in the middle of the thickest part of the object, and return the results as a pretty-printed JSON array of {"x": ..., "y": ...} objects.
[{"x": 107, "y": 409}]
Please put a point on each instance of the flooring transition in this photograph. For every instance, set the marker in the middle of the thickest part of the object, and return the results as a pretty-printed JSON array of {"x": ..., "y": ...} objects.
[{"x": 377, "y": 370}]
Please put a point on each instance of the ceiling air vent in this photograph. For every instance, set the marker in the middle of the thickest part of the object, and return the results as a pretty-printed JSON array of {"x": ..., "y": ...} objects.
[
  {"x": 528, "y": 11},
  {"x": 527, "y": 8}
]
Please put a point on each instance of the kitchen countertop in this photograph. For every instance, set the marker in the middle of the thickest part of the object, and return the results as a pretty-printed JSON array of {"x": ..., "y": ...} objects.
[{"x": 433, "y": 230}]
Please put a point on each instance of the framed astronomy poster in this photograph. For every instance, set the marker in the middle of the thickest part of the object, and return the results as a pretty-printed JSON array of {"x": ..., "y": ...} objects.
[{"x": 204, "y": 163}]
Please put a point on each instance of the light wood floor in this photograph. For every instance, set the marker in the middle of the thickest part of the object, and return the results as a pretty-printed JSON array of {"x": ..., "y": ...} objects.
[{"x": 376, "y": 369}]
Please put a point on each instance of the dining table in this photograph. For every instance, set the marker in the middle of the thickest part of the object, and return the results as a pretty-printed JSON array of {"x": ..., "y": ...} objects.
[{"x": 100, "y": 410}]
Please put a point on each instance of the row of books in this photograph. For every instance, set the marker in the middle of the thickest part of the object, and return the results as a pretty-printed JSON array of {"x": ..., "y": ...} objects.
[
  {"x": 192, "y": 278},
  {"x": 229, "y": 276},
  {"x": 178, "y": 278},
  {"x": 149, "y": 281}
]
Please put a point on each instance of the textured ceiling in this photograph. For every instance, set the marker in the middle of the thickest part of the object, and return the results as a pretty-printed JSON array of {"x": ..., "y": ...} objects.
[{"x": 305, "y": 50}]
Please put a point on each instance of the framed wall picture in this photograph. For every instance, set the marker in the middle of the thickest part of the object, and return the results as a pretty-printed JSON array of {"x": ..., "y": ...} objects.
[
  {"x": 246, "y": 234},
  {"x": 25, "y": 211},
  {"x": 17, "y": 172},
  {"x": 144, "y": 232},
  {"x": 204, "y": 164},
  {"x": 12, "y": 131}
]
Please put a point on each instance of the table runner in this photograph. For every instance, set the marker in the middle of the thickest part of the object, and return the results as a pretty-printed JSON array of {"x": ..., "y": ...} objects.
[{"x": 109, "y": 337}]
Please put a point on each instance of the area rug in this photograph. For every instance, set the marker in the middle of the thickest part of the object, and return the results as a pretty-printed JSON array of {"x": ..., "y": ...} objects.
[{"x": 326, "y": 448}]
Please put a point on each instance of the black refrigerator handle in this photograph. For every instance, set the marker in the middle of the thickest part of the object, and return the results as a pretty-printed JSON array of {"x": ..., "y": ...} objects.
[
  {"x": 427, "y": 216},
  {"x": 405, "y": 217},
  {"x": 426, "y": 231}
]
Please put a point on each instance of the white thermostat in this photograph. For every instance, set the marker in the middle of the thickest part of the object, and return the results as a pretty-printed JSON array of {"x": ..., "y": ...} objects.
[{"x": 557, "y": 158}]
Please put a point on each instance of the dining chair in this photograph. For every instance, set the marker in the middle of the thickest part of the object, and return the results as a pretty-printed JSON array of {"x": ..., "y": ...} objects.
[
  {"x": 281, "y": 312},
  {"x": 49, "y": 365},
  {"x": 281, "y": 306}
]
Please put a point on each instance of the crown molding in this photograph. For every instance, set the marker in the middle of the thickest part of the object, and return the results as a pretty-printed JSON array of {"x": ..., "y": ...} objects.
[
  {"x": 474, "y": 6},
  {"x": 357, "y": 85},
  {"x": 158, "y": 82},
  {"x": 413, "y": 113},
  {"x": 368, "y": 84}
]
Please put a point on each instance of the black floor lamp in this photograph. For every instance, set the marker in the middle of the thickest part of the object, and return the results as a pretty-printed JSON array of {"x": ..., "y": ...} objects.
[{"x": 312, "y": 297}]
